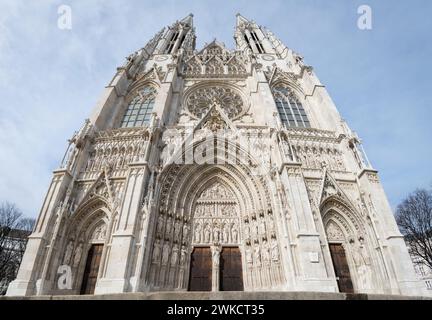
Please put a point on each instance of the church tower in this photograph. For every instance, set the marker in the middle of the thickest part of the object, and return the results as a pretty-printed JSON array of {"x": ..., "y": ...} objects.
[{"x": 214, "y": 170}]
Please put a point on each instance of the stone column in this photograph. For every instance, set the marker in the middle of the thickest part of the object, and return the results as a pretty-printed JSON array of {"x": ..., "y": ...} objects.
[{"x": 215, "y": 250}]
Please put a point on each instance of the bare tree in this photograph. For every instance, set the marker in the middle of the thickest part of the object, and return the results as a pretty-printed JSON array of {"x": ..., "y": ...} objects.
[
  {"x": 14, "y": 230},
  {"x": 414, "y": 217}
]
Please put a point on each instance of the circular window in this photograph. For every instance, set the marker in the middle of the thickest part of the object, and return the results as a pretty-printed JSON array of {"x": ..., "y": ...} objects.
[{"x": 200, "y": 101}]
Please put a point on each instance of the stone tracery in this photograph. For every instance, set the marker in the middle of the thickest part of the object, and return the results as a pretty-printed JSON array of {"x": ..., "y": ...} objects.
[{"x": 200, "y": 100}]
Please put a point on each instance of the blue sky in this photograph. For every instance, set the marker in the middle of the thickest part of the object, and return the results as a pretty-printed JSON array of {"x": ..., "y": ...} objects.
[{"x": 50, "y": 79}]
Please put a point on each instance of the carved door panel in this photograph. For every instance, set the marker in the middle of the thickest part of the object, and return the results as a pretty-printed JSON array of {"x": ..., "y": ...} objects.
[
  {"x": 201, "y": 270},
  {"x": 231, "y": 275},
  {"x": 91, "y": 269},
  {"x": 341, "y": 268}
]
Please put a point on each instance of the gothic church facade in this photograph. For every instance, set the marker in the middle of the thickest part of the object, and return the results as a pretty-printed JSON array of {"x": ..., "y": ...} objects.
[{"x": 215, "y": 170}]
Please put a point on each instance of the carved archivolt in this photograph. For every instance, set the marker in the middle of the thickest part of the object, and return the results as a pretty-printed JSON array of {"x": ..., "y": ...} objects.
[
  {"x": 86, "y": 226},
  {"x": 336, "y": 208},
  {"x": 199, "y": 101},
  {"x": 214, "y": 205}
]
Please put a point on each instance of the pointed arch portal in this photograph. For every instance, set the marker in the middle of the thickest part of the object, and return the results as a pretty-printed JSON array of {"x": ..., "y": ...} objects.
[{"x": 222, "y": 211}]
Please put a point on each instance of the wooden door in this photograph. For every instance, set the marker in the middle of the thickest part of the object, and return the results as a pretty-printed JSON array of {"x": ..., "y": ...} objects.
[
  {"x": 201, "y": 270},
  {"x": 91, "y": 269},
  {"x": 341, "y": 268},
  {"x": 231, "y": 273}
]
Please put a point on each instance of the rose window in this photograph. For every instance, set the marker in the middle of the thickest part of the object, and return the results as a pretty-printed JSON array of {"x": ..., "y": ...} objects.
[{"x": 200, "y": 101}]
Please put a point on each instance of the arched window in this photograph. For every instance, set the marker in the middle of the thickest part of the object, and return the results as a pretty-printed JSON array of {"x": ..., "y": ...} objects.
[
  {"x": 290, "y": 109},
  {"x": 140, "y": 108}
]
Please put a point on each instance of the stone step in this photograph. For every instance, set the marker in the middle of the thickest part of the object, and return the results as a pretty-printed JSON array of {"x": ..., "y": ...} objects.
[{"x": 227, "y": 295}]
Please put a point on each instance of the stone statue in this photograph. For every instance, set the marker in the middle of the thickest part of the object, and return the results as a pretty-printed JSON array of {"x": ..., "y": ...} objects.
[
  {"x": 177, "y": 228},
  {"x": 234, "y": 234},
  {"x": 78, "y": 253},
  {"x": 183, "y": 256},
  {"x": 197, "y": 234},
  {"x": 156, "y": 251},
  {"x": 247, "y": 231},
  {"x": 262, "y": 227},
  {"x": 257, "y": 255},
  {"x": 255, "y": 228},
  {"x": 168, "y": 227},
  {"x": 265, "y": 251},
  {"x": 225, "y": 234},
  {"x": 271, "y": 224},
  {"x": 207, "y": 234},
  {"x": 274, "y": 250},
  {"x": 215, "y": 257},
  {"x": 248, "y": 255},
  {"x": 165, "y": 253},
  {"x": 160, "y": 224},
  {"x": 363, "y": 266},
  {"x": 68, "y": 254},
  {"x": 174, "y": 255},
  {"x": 185, "y": 232},
  {"x": 216, "y": 234}
]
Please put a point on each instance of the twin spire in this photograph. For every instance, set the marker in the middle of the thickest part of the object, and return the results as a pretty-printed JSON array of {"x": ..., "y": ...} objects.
[{"x": 181, "y": 35}]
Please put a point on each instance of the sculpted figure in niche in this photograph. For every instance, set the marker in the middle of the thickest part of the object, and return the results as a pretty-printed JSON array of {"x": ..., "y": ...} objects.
[
  {"x": 248, "y": 254},
  {"x": 234, "y": 234},
  {"x": 78, "y": 253},
  {"x": 257, "y": 255},
  {"x": 156, "y": 251},
  {"x": 271, "y": 224},
  {"x": 185, "y": 232},
  {"x": 177, "y": 229},
  {"x": 207, "y": 234},
  {"x": 255, "y": 230},
  {"x": 362, "y": 263},
  {"x": 183, "y": 256},
  {"x": 168, "y": 227},
  {"x": 274, "y": 250},
  {"x": 247, "y": 231},
  {"x": 198, "y": 211},
  {"x": 97, "y": 233},
  {"x": 216, "y": 234},
  {"x": 174, "y": 255},
  {"x": 265, "y": 251},
  {"x": 215, "y": 257},
  {"x": 225, "y": 234},
  {"x": 262, "y": 227},
  {"x": 68, "y": 254},
  {"x": 165, "y": 253},
  {"x": 160, "y": 225},
  {"x": 197, "y": 235}
]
